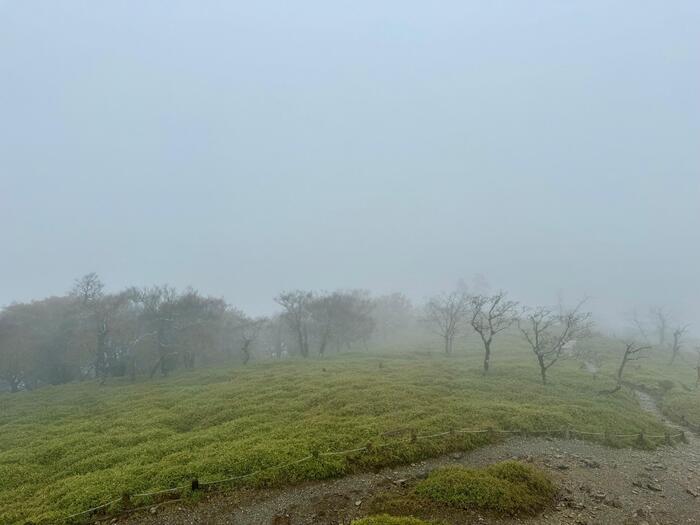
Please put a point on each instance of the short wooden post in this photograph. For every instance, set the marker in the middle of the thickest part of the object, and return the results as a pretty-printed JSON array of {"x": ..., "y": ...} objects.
[
  {"x": 126, "y": 500},
  {"x": 641, "y": 440},
  {"x": 683, "y": 438},
  {"x": 195, "y": 484},
  {"x": 567, "y": 433},
  {"x": 667, "y": 438},
  {"x": 608, "y": 437},
  {"x": 414, "y": 436}
]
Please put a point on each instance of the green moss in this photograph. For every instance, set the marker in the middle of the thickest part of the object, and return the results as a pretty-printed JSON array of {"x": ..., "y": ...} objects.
[
  {"x": 385, "y": 519},
  {"x": 69, "y": 448},
  {"x": 509, "y": 488}
]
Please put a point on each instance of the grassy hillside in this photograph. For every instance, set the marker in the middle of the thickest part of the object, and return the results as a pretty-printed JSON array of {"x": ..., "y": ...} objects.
[
  {"x": 675, "y": 385},
  {"x": 66, "y": 449}
]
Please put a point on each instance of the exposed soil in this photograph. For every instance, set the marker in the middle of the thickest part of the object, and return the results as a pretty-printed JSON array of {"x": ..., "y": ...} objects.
[{"x": 599, "y": 485}]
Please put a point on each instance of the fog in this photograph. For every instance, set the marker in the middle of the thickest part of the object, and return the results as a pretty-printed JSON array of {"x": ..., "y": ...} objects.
[{"x": 251, "y": 147}]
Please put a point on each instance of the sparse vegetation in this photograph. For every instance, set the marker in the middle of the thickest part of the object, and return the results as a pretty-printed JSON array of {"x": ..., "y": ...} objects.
[{"x": 509, "y": 487}]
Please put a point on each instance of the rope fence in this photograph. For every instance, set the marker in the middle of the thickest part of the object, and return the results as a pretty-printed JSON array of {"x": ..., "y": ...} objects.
[{"x": 567, "y": 433}]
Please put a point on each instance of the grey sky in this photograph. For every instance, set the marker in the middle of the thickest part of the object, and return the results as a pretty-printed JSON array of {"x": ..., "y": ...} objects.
[{"x": 248, "y": 147}]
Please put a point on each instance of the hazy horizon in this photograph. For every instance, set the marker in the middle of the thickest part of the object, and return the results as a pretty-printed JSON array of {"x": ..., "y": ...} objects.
[{"x": 244, "y": 149}]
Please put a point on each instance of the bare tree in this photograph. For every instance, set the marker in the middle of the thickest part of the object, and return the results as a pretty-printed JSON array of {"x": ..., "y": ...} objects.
[
  {"x": 444, "y": 313},
  {"x": 98, "y": 310},
  {"x": 547, "y": 332},
  {"x": 250, "y": 331},
  {"x": 640, "y": 325},
  {"x": 659, "y": 316},
  {"x": 633, "y": 352},
  {"x": 489, "y": 316},
  {"x": 88, "y": 288},
  {"x": 677, "y": 344},
  {"x": 297, "y": 315}
]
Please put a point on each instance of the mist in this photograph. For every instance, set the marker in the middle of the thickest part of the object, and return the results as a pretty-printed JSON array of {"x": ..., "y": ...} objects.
[
  {"x": 245, "y": 149},
  {"x": 369, "y": 263}
]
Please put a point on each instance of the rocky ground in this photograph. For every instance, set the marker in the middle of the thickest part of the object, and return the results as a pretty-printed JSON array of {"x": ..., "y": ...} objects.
[{"x": 599, "y": 485}]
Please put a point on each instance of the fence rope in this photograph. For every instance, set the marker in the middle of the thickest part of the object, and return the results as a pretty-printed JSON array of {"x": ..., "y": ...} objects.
[
  {"x": 164, "y": 491},
  {"x": 272, "y": 467},
  {"x": 368, "y": 448},
  {"x": 92, "y": 509}
]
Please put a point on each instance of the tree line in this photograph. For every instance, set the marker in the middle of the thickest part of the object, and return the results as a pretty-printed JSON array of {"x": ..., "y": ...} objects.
[
  {"x": 550, "y": 333},
  {"x": 547, "y": 332},
  {"x": 89, "y": 333}
]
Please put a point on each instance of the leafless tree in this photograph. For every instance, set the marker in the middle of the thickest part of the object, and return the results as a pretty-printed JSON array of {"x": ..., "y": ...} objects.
[
  {"x": 297, "y": 315},
  {"x": 88, "y": 288},
  {"x": 444, "y": 313},
  {"x": 633, "y": 352},
  {"x": 490, "y": 315},
  {"x": 659, "y": 316},
  {"x": 98, "y": 310},
  {"x": 640, "y": 325},
  {"x": 547, "y": 332},
  {"x": 677, "y": 344},
  {"x": 250, "y": 331}
]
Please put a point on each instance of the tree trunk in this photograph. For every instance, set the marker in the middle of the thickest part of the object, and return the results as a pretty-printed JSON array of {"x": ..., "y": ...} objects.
[
  {"x": 300, "y": 338},
  {"x": 621, "y": 369},
  {"x": 246, "y": 351},
  {"x": 487, "y": 356},
  {"x": 155, "y": 367},
  {"x": 674, "y": 349},
  {"x": 543, "y": 370},
  {"x": 324, "y": 342},
  {"x": 448, "y": 344}
]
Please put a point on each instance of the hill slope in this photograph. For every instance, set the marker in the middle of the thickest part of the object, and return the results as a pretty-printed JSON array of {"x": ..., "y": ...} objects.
[{"x": 66, "y": 449}]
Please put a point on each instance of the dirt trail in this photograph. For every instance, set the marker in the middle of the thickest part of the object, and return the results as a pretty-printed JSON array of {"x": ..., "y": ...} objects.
[{"x": 599, "y": 485}]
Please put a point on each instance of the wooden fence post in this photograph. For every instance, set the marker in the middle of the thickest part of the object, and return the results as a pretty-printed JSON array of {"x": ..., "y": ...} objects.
[
  {"x": 641, "y": 440},
  {"x": 126, "y": 500}
]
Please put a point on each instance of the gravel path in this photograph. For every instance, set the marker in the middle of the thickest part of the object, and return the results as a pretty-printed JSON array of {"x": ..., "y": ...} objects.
[{"x": 599, "y": 485}]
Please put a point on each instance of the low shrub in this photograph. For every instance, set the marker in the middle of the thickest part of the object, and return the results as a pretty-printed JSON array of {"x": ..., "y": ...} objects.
[{"x": 508, "y": 488}]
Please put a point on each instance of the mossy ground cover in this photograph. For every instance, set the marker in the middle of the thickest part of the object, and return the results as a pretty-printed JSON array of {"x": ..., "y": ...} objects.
[
  {"x": 674, "y": 385},
  {"x": 509, "y": 487},
  {"x": 66, "y": 449}
]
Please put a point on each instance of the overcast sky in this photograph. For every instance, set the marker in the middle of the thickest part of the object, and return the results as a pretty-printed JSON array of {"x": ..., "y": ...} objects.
[{"x": 244, "y": 148}]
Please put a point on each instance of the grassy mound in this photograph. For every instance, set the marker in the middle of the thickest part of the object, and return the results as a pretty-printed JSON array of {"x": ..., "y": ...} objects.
[
  {"x": 69, "y": 448},
  {"x": 509, "y": 488},
  {"x": 385, "y": 519}
]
